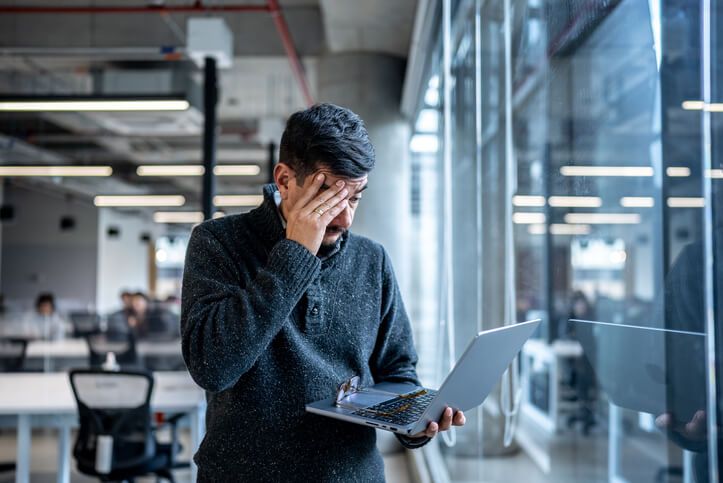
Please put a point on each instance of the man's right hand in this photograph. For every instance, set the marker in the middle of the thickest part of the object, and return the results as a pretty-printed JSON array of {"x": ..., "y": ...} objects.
[{"x": 307, "y": 220}]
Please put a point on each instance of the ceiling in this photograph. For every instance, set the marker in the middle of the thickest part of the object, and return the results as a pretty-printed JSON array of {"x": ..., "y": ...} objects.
[{"x": 83, "y": 53}]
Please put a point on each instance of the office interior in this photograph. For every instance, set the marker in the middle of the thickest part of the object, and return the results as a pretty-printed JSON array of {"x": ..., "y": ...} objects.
[{"x": 551, "y": 159}]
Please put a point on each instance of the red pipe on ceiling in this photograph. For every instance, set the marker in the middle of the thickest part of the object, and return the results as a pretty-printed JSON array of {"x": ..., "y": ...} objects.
[
  {"x": 271, "y": 7},
  {"x": 283, "y": 29}
]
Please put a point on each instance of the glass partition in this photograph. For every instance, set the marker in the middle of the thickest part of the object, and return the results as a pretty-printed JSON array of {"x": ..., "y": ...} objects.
[{"x": 583, "y": 177}]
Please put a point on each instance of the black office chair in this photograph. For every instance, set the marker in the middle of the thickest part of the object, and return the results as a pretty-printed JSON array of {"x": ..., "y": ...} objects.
[
  {"x": 122, "y": 344},
  {"x": 12, "y": 354},
  {"x": 84, "y": 323},
  {"x": 115, "y": 406}
]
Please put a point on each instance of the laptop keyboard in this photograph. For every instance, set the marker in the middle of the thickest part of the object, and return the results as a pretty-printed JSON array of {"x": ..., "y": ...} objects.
[{"x": 400, "y": 410}]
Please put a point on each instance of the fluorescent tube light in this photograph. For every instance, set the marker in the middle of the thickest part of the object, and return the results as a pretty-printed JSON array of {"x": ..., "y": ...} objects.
[
  {"x": 700, "y": 105},
  {"x": 641, "y": 171},
  {"x": 714, "y": 173},
  {"x": 677, "y": 171},
  {"x": 575, "y": 201},
  {"x": 171, "y": 170},
  {"x": 559, "y": 229},
  {"x": 602, "y": 218},
  {"x": 236, "y": 170},
  {"x": 56, "y": 171},
  {"x": 685, "y": 202},
  {"x": 693, "y": 105},
  {"x": 568, "y": 229},
  {"x": 178, "y": 217},
  {"x": 528, "y": 200},
  {"x": 94, "y": 105},
  {"x": 238, "y": 200},
  {"x": 139, "y": 200},
  {"x": 637, "y": 201},
  {"x": 182, "y": 216},
  {"x": 528, "y": 218}
]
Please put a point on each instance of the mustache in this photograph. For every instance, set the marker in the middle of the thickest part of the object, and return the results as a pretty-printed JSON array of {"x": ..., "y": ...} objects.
[{"x": 332, "y": 230}]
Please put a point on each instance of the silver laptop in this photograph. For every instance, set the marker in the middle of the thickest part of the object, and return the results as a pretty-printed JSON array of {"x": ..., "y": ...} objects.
[{"x": 408, "y": 409}]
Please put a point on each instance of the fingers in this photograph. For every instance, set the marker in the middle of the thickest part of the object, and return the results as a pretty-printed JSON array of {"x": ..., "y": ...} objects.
[
  {"x": 326, "y": 200},
  {"x": 312, "y": 189},
  {"x": 446, "y": 420},
  {"x": 334, "y": 206},
  {"x": 459, "y": 419},
  {"x": 432, "y": 429}
]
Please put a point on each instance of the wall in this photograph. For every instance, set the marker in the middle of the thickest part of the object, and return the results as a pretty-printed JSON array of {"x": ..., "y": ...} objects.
[
  {"x": 123, "y": 260},
  {"x": 37, "y": 256}
]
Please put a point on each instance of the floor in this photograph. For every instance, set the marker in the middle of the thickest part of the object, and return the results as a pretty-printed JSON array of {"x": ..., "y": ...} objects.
[{"x": 43, "y": 462}]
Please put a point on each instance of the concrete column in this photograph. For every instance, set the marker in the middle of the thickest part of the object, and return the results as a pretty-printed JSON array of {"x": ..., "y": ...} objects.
[{"x": 371, "y": 85}]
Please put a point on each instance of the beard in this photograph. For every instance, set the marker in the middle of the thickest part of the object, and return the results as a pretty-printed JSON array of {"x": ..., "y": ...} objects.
[{"x": 337, "y": 232}]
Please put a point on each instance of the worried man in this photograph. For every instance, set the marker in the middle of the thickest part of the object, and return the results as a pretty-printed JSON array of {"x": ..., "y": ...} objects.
[{"x": 282, "y": 304}]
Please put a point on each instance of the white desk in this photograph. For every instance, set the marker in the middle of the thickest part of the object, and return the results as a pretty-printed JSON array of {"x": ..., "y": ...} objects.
[
  {"x": 46, "y": 399},
  {"x": 78, "y": 348}
]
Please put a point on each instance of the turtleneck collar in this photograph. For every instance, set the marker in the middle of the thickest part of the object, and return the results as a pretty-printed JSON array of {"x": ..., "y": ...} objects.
[{"x": 269, "y": 221}]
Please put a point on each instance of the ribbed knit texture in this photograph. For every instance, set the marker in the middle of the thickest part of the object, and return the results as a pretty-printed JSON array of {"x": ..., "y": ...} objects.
[{"x": 267, "y": 328}]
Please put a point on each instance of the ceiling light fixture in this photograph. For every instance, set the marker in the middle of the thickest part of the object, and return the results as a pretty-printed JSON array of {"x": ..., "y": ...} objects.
[
  {"x": 236, "y": 170},
  {"x": 685, "y": 202},
  {"x": 638, "y": 171},
  {"x": 575, "y": 201},
  {"x": 528, "y": 200},
  {"x": 171, "y": 170},
  {"x": 92, "y": 105},
  {"x": 528, "y": 218},
  {"x": 637, "y": 201},
  {"x": 602, "y": 218},
  {"x": 677, "y": 171},
  {"x": 56, "y": 171},
  {"x": 238, "y": 200},
  {"x": 700, "y": 105},
  {"x": 138, "y": 200},
  {"x": 193, "y": 217}
]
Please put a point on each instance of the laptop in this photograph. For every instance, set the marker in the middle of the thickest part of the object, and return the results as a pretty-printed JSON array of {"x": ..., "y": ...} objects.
[
  {"x": 408, "y": 409},
  {"x": 650, "y": 370}
]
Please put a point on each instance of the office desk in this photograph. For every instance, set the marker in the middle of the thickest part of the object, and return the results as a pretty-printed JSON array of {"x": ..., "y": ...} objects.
[
  {"x": 46, "y": 400},
  {"x": 63, "y": 354}
]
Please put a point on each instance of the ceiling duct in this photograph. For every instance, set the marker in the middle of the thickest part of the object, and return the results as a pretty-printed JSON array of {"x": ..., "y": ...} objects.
[{"x": 170, "y": 82}]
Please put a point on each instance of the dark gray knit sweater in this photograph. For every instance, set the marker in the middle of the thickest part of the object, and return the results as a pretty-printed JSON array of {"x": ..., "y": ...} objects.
[{"x": 268, "y": 327}]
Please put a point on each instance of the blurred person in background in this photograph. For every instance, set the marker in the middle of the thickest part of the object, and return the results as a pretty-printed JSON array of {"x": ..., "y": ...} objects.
[
  {"x": 145, "y": 319},
  {"x": 44, "y": 322}
]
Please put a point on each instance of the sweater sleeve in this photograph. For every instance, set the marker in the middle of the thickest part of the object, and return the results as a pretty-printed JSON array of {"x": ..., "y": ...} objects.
[{"x": 226, "y": 326}]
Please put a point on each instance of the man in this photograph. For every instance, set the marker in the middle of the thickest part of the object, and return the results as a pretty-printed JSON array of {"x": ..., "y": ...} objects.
[{"x": 282, "y": 304}]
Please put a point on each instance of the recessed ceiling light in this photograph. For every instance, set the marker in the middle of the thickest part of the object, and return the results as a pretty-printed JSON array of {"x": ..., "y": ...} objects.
[
  {"x": 677, "y": 171},
  {"x": 602, "y": 218},
  {"x": 528, "y": 200},
  {"x": 56, "y": 171},
  {"x": 238, "y": 200},
  {"x": 575, "y": 201},
  {"x": 638, "y": 171},
  {"x": 139, "y": 200},
  {"x": 685, "y": 202},
  {"x": 528, "y": 218},
  {"x": 637, "y": 201},
  {"x": 170, "y": 170}
]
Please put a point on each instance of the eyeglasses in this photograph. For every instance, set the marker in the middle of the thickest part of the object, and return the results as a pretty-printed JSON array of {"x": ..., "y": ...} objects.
[{"x": 353, "y": 386}]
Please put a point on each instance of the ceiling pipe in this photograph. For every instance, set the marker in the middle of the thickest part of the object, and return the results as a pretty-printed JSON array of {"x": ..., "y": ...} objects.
[
  {"x": 283, "y": 29},
  {"x": 272, "y": 7}
]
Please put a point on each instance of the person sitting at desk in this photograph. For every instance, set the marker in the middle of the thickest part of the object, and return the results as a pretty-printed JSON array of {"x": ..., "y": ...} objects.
[
  {"x": 146, "y": 320},
  {"x": 44, "y": 322}
]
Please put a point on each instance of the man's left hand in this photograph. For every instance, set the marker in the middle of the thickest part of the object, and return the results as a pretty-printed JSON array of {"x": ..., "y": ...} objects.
[{"x": 444, "y": 424}]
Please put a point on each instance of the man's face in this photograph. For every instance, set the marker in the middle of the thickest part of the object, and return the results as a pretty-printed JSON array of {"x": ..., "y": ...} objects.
[
  {"x": 343, "y": 221},
  {"x": 139, "y": 304}
]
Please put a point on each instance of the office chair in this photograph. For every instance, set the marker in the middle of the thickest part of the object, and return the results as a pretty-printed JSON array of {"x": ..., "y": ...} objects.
[
  {"x": 12, "y": 354},
  {"x": 116, "y": 440},
  {"x": 122, "y": 344},
  {"x": 84, "y": 323}
]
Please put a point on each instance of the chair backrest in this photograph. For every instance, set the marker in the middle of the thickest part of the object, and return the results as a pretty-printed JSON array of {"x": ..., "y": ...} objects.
[
  {"x": 122, "y": 344},
  {"x": 113, "y": 405},
  {"x": 12, "y": 354},
  {"x": 84, "y": 323}
]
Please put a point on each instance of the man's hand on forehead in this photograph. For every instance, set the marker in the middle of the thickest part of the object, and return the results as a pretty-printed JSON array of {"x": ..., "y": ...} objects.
[{"x": 315, "y": 209}]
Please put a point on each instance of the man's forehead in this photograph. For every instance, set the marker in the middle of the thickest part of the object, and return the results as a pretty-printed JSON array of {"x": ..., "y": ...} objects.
[{"x": 351, "y": 183}]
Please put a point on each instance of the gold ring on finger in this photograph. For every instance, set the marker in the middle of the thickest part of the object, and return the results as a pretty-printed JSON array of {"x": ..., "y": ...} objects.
[{"x": 319, "y": 211}]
